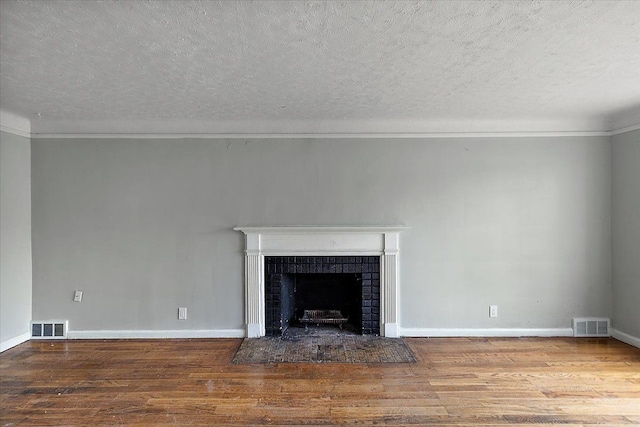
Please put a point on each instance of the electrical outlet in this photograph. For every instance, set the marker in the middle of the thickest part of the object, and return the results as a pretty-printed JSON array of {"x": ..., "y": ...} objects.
[
  {"x": 77, "y": 296},
  {"x": 493, "y": 311},
  {"x": 182, "y": 313}
]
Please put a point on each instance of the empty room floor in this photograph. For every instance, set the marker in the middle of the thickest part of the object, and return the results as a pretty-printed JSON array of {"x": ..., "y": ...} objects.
[{"x": 455, "y": 381}]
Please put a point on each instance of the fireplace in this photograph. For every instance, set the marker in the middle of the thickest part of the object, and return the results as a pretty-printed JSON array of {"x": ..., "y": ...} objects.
[
  {"x": 281, "y": 260},
  {"x": 342, "y": 291}
]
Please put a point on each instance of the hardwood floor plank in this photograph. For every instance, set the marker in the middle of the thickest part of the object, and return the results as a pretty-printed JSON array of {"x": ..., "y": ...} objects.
[{"x": 458, "y": 381}]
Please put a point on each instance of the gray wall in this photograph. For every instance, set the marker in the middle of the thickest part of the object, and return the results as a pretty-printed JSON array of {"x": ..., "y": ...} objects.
[
  {"x": 144, "y": 226},
  {"x": 626, "y": 232},
  {"x": 15, "y": 237}
]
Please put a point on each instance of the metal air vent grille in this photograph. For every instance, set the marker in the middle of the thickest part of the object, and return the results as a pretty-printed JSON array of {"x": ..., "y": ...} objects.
[
  {"x": 49, "y": 329},
  {"x": 591, "y": 327}
]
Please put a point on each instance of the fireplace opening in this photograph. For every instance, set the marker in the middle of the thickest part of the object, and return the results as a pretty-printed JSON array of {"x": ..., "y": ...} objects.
[
  {"x": 329, "y": 292},
  {"x": 323, "y": 299}
]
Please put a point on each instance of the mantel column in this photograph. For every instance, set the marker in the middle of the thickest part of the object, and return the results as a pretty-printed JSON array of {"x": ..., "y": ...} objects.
[
  {"x": 254, "y": 287},
  {"x": 389, "y": 273}
]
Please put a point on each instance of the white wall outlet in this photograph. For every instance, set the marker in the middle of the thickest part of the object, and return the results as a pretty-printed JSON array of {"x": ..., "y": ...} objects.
[
  {"x": 493, "y": 311},
  {"x": 77, "y": 296},
  {"x": 182, "y": 313}
]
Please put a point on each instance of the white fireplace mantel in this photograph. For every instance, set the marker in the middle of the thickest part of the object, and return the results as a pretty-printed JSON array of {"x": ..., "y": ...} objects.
[{"x": 380, "y": 241}]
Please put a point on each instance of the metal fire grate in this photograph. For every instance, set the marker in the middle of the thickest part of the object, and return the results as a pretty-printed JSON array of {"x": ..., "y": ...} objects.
[{"x": 325, "y": 317}]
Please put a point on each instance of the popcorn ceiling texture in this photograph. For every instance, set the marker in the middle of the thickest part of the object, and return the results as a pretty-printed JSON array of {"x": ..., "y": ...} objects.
[{"x": 318, "y": 66}]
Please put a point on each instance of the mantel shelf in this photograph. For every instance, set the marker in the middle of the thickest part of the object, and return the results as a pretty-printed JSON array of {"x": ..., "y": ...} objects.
[{"x": 306, "y": 229}]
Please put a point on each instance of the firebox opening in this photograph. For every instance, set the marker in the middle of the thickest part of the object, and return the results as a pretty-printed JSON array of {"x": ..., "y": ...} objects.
[
  {"x": 332, "y": 293},
  {"x": 345, "y": 290}
]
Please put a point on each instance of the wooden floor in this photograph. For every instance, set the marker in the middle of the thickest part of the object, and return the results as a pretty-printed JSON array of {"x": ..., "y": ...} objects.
[{"x": 192, "y": 382}]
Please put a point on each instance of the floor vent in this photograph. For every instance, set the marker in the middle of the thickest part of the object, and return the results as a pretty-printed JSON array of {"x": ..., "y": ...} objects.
[
  {"x": 49, "y": 330},
  {"x": 591, "y": 327}
]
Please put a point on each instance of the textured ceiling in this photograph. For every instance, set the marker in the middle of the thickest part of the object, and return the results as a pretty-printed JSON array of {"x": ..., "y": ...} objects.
[{"x": 325, "y": 67}]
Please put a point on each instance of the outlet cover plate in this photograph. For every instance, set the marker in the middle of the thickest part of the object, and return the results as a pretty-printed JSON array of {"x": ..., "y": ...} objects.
[
  {"x": 493, "y": 311},
  {"x": 182, "y": 313}
]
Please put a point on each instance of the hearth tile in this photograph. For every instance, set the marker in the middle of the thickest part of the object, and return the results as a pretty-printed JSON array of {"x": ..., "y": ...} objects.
[{"x": 323, "y": 349}]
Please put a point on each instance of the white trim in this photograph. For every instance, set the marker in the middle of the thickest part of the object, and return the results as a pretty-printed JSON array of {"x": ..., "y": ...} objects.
[
  {"x": 625, "y": 119},
  {"x": 330, "y": 129},
  {"x": 360, "y": 135},
  {"x": 625, "y": 130},
  {"x": 486, "y": 332},
  {"x": 17, "y": 125},
  {"x": 391, "y": 330},
  {"x": 625, "y": 338},
  {"x": 156, "y": 334},
  {"x": 304, "y": 229},
  {"x": 14, "y": 131},
  {"x": 255, "y": 330},
  {"x": 10, "y": 343},
  {"x": 314, "y": 127}
]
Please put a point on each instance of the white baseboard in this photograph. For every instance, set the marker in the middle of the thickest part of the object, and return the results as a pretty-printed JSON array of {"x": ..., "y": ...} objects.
[
  {"x": 486, "y": 332},
  {"x": 626, "y": 338},
  {"x": 186, "y": 333},
  {"x": 6, "y": 345}
]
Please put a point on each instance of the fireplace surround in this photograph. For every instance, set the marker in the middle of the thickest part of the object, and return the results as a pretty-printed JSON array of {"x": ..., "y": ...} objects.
[{"x": 312, "y": 241}]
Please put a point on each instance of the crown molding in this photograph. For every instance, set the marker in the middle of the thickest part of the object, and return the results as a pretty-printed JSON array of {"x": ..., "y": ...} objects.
[
  {"x": 625, "y": 120},
  {"x": 625, "y": 130},
  {"x": 399, "y": 129},
  {"x": 417, "y": 135},
  {"x": 334, "y": 129},
  {"x": 15, "y": 124}
]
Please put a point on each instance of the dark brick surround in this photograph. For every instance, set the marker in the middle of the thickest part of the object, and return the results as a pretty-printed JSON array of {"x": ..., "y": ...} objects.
[{"x": 279, "y": 271}]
